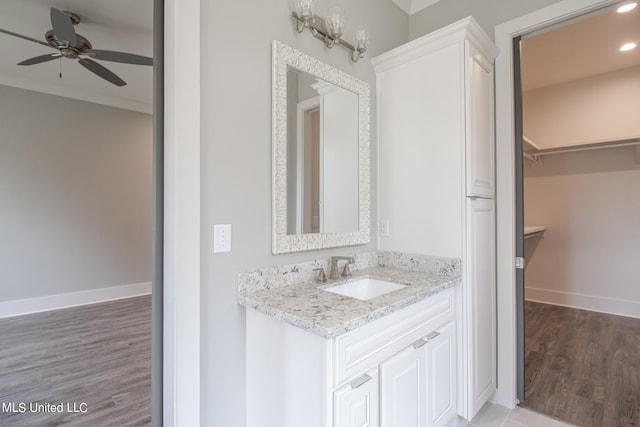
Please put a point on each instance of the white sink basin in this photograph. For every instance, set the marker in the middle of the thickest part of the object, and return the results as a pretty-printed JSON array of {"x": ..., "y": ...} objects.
[{"x": 365, "y": 289}]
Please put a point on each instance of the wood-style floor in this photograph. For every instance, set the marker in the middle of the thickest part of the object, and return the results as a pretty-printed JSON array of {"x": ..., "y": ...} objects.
[
  {"x": 581, "y": 366},
  {"x": 99, "y": 355}
]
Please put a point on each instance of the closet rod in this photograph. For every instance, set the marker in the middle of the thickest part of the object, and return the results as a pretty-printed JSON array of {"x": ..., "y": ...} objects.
[{"x": 585, "y": 147}]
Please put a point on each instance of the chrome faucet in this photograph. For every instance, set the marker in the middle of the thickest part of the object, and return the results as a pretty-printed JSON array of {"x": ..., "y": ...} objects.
[{"x": 333, "y": 266}]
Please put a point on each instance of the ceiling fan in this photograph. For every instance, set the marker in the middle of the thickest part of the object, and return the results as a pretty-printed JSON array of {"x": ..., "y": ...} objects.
[{"x": 72, "y": 45}]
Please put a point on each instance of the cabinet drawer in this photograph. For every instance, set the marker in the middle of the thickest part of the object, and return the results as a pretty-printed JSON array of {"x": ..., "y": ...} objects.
[{"x": 361, "y": 349}]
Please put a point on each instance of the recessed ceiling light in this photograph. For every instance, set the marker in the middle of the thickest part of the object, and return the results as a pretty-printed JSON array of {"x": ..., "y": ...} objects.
[
  {"x": 627, "y": 7},
  {"x": 627, "y": 46}
]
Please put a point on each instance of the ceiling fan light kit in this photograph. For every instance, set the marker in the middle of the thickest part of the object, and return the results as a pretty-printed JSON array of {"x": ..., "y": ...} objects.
[{"x": 72, "y": 45}]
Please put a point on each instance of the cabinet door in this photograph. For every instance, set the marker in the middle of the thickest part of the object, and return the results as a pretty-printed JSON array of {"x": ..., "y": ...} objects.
[
  {"x": 480, "y": 304},
  {"x": 480, "y": 143},
  {"x": 356, "y": 404},
  {"x": 441, "y": 375},
  {"x": 403, "y": 401}
]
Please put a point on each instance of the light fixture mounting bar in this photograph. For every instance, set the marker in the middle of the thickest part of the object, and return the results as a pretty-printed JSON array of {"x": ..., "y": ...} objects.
[{"x": 318, "y": 28}]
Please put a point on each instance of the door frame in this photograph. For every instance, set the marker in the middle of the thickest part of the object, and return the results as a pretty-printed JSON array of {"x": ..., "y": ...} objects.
[
  {"x": 181, "y": 225},
  {"x": 303, "y": 108},
  {"x": 505, "y": 179}
]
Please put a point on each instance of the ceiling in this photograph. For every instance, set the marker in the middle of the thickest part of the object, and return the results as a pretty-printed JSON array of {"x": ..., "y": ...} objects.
[
  {"x": 585, "y": 48},
  {"x": 413, "y": 6},
  {"x": 121, "y": 25},
  {"x": 582, "y": 49}
]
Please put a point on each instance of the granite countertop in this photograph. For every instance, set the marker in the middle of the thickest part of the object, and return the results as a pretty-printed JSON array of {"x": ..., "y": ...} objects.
[{"x": 306, "y": 305}]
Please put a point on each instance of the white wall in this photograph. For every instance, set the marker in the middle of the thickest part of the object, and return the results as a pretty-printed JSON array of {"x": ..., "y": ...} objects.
[
  {"x": 75, "y": 195},
  {"x": 599, "y": 108},
  {"x": 590, "y": 203},
  {"x": 488, "y": 13},
  {"x": 236, "y": 165}
]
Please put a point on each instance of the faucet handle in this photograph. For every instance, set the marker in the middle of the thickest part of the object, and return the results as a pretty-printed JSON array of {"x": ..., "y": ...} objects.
[
  {"x": 321, "y": 276},
  {"x": 346, "y": 271}
]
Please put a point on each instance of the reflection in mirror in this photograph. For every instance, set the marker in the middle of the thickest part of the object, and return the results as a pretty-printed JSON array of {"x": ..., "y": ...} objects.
[
  {"x": 320, "y": 166},
  {"x": 322, "y": 144}
]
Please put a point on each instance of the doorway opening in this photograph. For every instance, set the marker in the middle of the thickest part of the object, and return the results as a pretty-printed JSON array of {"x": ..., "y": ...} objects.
[
  {"x": 85, "y": 227},
  {"x": 577, "y": 173}
]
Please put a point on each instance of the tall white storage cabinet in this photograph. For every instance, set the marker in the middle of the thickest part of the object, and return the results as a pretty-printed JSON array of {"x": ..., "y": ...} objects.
[{"x": 436, "y": 178}]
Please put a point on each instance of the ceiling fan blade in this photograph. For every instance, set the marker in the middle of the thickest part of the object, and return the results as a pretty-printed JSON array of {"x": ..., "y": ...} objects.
[
  {"x": 63, "y": 27},
  {"x": 40, "y": 59},
  {"x": 113, "y": 56},
  {"x": 101, "y": 71},
  {"x": 11, "y": 33}
]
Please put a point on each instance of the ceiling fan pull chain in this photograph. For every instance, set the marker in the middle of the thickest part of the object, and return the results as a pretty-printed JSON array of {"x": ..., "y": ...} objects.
[{"x": 60, "y": 73}]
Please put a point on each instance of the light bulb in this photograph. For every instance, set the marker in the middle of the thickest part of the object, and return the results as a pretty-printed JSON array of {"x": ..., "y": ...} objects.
[
  {"x": 627, "y": 7},
  {"x": 627, "y": 46}
]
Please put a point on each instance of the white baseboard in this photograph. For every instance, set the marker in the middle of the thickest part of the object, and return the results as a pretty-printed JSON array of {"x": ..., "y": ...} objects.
[
  {"x": 54, "y": 302},
  {"x": 585, "y": 302}
]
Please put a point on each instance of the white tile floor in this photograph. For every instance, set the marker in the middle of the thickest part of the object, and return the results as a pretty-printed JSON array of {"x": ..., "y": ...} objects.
[{"x": 498, "y": 416}]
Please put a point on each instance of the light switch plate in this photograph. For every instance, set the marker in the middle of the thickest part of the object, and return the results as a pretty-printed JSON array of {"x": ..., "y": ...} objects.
[
  {"x": 221, "y": 238},
  {"x": 384, "y": 228}
]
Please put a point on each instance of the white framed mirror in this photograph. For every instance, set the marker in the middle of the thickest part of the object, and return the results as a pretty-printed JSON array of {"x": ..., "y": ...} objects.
[{"x": 321, "y": 155}]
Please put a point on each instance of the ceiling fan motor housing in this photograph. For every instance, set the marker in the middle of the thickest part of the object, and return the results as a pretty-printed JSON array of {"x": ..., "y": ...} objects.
[
  {"x": 82, "y": 44},
  {"x": 75, "y": 19}
]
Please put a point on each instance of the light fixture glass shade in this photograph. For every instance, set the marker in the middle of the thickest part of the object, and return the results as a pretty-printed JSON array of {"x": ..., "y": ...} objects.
[
  {"x": 305, "y": 8},
  {"x": 335, "y": 22},
  {"x": 362, "y": 38}
]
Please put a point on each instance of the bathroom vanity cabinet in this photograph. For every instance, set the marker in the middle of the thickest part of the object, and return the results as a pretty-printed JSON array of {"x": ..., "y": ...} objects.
[{"x": 398, "y": 370}]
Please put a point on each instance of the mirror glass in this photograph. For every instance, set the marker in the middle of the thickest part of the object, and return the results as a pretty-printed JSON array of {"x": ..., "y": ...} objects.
[
  {"x": 322, "y": 146},
  {"x": 320, "y": 166}
]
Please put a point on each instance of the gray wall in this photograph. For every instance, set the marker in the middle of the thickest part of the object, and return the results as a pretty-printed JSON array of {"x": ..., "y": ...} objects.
[
  {"x": 75, "y": 195},
  {"x": 488, "y": 13},
  {"x": 236, "y": 165}
]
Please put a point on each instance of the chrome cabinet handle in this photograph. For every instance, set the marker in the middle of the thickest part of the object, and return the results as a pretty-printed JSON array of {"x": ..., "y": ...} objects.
[
  {"x": 423, "y": 341},
  {"x": 420, "y": 343},
  {"x": 360, "y": 381},
  {"x": 432, "y": 335}
]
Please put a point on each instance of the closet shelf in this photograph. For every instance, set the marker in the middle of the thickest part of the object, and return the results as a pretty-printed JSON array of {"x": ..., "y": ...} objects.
[
  {"x": 535, "y": 151},
  {"x": 533, "y": 231}
]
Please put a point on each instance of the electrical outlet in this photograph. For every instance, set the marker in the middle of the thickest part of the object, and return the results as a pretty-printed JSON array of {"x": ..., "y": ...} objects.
[
  {"x": 384, "y": 228},
  {"x": 221, "y": 238}
]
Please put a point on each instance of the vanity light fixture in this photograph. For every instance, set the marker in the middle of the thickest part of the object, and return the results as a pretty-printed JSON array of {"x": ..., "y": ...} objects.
[
  {"x": 627, "y": 47},
  {"x": 330, "y": 31},
  {"x": 627, "y": 7}
]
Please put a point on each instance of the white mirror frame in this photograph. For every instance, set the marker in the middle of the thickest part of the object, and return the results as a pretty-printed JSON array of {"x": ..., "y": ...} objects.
[{"x": 283, "y": 56}]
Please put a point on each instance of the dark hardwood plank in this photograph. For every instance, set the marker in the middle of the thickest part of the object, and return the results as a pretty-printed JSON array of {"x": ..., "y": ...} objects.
[
  {"x": 581, "y": 366},
  {"x": 98, "y": 354}
]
